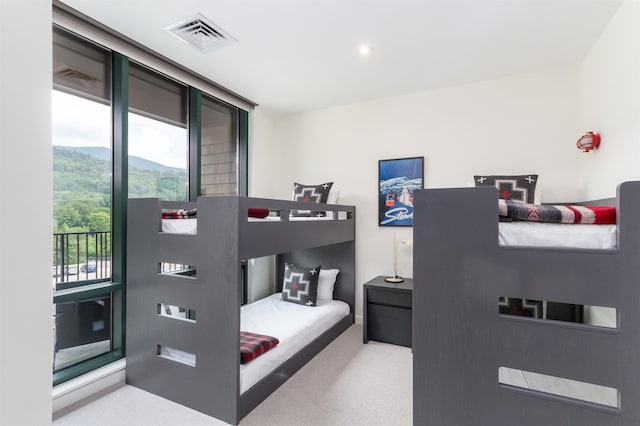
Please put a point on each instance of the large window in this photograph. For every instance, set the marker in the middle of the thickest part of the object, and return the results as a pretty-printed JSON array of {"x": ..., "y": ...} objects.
[
  {"x": 121, "y": 130},
  {"x": 219, "y": 149},
  {"x": 81, "y": 137},
  {"x": 158, "y": 139}
]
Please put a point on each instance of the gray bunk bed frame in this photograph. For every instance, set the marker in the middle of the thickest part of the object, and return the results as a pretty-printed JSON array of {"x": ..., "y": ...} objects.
[
  {"x": 225, "y": 238},
  {"x": 460, "y": 340}
]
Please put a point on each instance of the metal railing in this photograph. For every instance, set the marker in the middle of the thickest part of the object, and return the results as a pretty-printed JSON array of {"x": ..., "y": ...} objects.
[{"x": 80, "y": 256}]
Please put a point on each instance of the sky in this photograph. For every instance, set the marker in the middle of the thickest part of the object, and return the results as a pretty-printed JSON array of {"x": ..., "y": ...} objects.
[
  {"x": 80, "y": 122},
  {"x": 411, "y": 168}
]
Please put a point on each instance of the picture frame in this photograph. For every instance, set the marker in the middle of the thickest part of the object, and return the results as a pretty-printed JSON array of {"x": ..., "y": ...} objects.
[{"x": 397, "y": 179}]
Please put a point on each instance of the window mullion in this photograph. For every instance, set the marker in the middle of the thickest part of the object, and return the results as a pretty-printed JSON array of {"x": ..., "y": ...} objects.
[
  {"x": 120, "y": 132},
  {"x": 195, "y": 133},
  {"x": 243, "y": 152}
]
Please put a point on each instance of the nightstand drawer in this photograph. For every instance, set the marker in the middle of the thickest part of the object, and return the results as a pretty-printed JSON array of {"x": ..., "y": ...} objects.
[
  {"x": 390, "y": 324},
  {"x": 389, "y": 298}
]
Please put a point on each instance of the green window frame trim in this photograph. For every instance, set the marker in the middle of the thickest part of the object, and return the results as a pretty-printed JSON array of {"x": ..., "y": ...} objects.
[
  {"x": 243, "y": 152},
  {"x": 194, "y": 123},
  {"x": 115, "y": 289}
]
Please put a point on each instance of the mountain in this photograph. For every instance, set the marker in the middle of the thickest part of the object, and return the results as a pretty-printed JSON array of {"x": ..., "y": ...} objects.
[
  {"x": 396, "y": 185},
  {"x": 82, "y": 187},
  {"x": 104, "y": 154}
]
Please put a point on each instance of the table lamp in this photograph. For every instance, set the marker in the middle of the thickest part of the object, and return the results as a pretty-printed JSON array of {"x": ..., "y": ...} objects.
[{"x": 395, "y": 278}]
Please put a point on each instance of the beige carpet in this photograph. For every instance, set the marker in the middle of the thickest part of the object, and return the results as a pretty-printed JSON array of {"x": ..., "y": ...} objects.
[{"x": 348, "y": 383}]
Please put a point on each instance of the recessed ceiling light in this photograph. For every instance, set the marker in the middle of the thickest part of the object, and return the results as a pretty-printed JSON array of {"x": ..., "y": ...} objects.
[{"x": 365, "y": 50}]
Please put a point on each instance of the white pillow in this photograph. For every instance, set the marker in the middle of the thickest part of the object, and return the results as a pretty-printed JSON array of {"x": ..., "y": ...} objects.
[
  {"x": 333, "y": 196},
  {"x": 326, "y": 281}
]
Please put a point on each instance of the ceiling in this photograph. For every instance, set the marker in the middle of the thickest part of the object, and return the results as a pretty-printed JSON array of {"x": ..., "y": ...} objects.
[{"x": 297, "y": 55}]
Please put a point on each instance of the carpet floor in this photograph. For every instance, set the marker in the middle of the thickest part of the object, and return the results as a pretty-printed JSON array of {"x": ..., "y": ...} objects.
[{"x": 348, "y": 383}]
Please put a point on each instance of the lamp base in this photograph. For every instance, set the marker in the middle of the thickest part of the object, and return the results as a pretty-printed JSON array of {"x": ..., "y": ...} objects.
[{"x": 394, "y": 279}]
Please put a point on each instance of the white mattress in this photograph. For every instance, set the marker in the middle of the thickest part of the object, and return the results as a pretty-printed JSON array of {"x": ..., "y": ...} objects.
[
  {"x": 536, "y": 234},
  {"x": 180, "y": 226},
  {"x": 190, "y": 226},
  {"x": 294, "y": 325}
]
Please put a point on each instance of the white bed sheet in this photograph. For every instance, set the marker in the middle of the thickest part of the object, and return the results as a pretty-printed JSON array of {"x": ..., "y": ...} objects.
[
  {"x": 536, "y": 234},
  {"x": 294, "y": 325},
  {"x": 180, "y": 226},
  {"x": 190, "y": 226}
]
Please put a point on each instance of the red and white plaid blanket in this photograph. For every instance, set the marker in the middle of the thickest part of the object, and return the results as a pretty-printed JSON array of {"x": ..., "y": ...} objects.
[
  {"x": 515, "y": 210},
  {"x": 193, "y": 213},
  {"x": 180, "y": 214},
  {"x": 253, "y": 345}
]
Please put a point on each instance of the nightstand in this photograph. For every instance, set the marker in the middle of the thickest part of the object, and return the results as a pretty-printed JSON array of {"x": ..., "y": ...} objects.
[{"x": 387, "y": 311}]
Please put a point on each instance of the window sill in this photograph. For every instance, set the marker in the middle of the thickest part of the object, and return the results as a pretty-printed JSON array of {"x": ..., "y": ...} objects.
[{"x": 76, "y": 392}]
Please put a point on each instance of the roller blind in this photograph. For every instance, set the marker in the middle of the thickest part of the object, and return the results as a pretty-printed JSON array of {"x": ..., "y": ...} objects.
[
  {"x": 81, "y": 68},
  {"x": 155, "y": 97},
  {"x": 69, "y": 18}
]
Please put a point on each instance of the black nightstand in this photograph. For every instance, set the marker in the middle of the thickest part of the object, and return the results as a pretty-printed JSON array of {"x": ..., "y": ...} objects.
[{"x": 387, "y": 311}]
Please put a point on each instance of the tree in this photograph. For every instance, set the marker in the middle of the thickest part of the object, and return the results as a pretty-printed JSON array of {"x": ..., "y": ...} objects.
[{"x": 99, "y": 221}]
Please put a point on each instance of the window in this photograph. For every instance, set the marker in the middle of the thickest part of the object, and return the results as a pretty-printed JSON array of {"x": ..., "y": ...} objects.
[
  {"x": 158, "y": 140},
  {"x": 81, "y": 119},
  {"x": 109, "y": 112},
  {"x": 219, "y": 149}
]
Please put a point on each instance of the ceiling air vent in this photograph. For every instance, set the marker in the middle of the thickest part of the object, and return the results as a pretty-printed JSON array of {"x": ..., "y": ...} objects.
[{"x": 201, "y": 33}]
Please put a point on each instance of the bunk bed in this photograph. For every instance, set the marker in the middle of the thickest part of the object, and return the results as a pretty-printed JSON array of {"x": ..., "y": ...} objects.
[
  {"x": 463, "y": 347},
  {"x": 208, "y": 288}
]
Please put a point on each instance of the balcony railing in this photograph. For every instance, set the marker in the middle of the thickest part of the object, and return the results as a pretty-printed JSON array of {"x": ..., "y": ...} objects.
[{"x": 80, "y": 257}]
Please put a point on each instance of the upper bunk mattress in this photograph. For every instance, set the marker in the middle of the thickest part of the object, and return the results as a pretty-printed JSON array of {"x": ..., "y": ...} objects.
[
  {"x": 554, "y": 235},
  {"x": 190, "y": 226},
  {"x": 294, "y": 325}
]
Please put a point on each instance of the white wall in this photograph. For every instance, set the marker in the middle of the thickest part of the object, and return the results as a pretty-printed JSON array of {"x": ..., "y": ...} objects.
[
  {"x": 25, "y": 191},
  {"x": 610, "y": 104},
  {"x": 264, "y": 150},
  {"x": 522, "y": 124}
]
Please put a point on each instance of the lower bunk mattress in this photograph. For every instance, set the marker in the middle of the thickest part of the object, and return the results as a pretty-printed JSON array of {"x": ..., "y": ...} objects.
[{"x": 294, "y": 325}]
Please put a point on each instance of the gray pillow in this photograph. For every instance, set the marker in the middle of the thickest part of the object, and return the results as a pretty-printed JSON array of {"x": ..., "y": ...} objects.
[
  {"x": 300, "y": 284},
  {"x": 310, "y": 194},
  {"x": 511, "y": 187}
]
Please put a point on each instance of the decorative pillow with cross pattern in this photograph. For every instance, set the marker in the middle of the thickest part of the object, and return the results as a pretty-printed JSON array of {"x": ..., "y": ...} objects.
[
  {"x": 310, "y": 194},
  {"x": 300, "y": 284},
  {"x": 516, "y": 187}
]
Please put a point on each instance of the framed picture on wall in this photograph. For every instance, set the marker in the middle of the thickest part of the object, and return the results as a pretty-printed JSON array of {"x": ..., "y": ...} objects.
[{"x": 397, "y": 179}]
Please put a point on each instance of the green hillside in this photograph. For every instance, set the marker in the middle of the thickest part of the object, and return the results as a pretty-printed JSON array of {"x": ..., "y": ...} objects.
[
  {"x": 82, "y": 183},
  {"x": 103, "y": 153}
]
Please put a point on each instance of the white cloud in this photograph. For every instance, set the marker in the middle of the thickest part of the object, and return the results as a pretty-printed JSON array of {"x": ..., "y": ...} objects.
[
  {"x": 157, "y": 141},
  {"x": 80, "y": 122}
]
